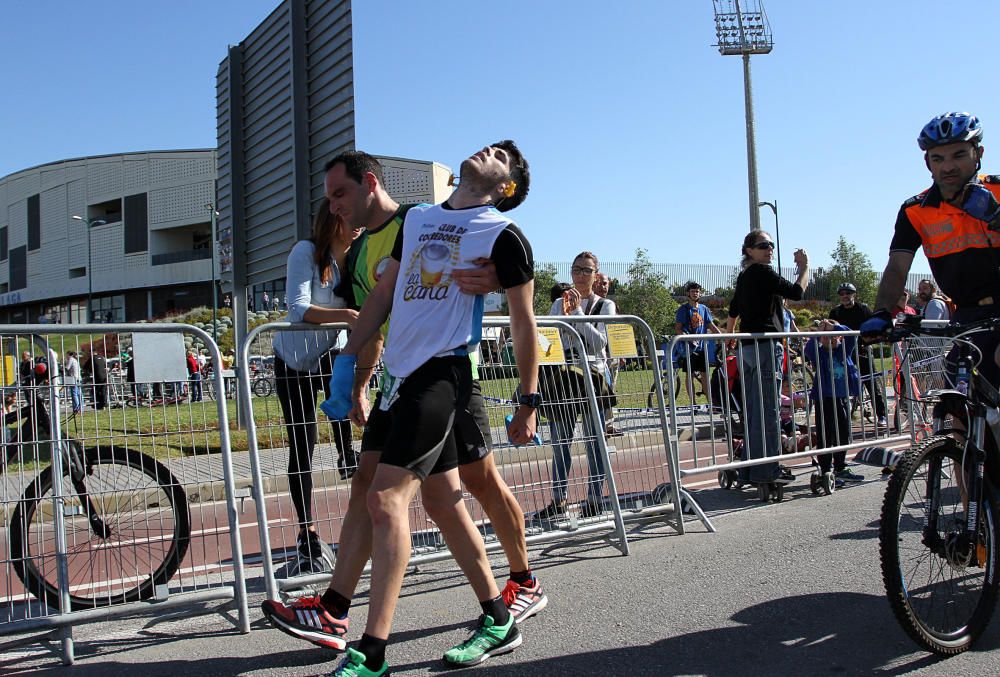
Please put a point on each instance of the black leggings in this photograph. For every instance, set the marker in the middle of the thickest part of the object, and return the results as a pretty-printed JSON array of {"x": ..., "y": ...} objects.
[
  {"x": 833, "y": 423},
  {"x": 297, "y": 394}
]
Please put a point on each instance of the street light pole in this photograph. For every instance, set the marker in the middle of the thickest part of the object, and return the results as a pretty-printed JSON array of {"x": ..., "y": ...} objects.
[
  {"x": 88, "y": 224},
  {"x": 215, "y": 299},
  {"x": 777, "y": 233},
  {"x": 745, "y": 31}
]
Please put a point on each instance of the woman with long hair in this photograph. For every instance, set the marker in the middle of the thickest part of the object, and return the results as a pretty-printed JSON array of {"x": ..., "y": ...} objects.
[
  {"x": 303, "y": 363},
  {"x": 757, "y": 303}
]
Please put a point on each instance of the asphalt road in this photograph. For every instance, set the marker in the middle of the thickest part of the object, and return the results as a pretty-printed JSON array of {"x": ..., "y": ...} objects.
[{"x": 783, "y": 589}]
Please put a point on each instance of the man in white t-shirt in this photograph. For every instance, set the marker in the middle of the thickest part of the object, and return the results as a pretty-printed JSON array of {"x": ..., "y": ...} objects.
[
  {"x": 429, "y": 379},
  {"x": 932, "y": 307}
]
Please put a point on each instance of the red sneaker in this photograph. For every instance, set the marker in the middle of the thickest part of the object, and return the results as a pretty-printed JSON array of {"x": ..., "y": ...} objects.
[
  {"x": 307, "y": 618},
  {"x": 524, "y": 600}
]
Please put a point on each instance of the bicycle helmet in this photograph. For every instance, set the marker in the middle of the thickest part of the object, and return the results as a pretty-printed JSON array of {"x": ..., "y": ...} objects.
[
  {"x": 950, "y": 128},
  {"x": 847, "y": 286}
]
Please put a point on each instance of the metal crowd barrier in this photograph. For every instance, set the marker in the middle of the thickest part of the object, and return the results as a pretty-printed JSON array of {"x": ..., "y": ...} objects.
[
  {"x": 709, "y": 438},
  {"x": 142, "y": 518},
  {"x": 633, "y": 477}
]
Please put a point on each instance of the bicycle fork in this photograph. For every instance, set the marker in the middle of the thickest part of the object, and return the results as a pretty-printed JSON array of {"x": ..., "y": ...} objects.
[{"x": 959, "y": 548}]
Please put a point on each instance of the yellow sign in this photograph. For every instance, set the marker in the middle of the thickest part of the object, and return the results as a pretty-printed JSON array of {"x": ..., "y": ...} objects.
[
  {"x": 621, "y": 341},
  {"x": 550, "y": 347},
  {"x": 9, "y": 368}
]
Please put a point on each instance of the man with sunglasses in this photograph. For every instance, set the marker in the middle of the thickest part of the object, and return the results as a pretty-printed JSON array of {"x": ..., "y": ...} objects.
[
  {"x": 851, "y": 313},
  {"x": 956, "y": 221}
]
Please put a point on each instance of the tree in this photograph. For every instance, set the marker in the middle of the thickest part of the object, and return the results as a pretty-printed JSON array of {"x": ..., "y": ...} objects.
[
  {"x": 545, "y": 278},
  {"x": 645, "y": 294},
  {"x": 849, "y": 265}
]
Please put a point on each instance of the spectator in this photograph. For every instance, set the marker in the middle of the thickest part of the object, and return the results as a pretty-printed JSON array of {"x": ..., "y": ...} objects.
[
  {"x": 194, "y": 376},
  {"x": 836, "y": 381},
  {"x": 694, "y": 358},
  {"x": 933, "y": 306},
  {"x": 757, "y": 304},
  {"x": 72, "y": 378},
  {"x": 97, "y": 366},
  {"x": 903, "y": 305},
  {"x": 851, "y": 313},
  {"x": 602, "y": 283},
  {"x": 579, "y": 299},
  {"x": 267, "y": 302},
  {"x": 303, "y": 363},
  {"x": 27, "y": 364}
]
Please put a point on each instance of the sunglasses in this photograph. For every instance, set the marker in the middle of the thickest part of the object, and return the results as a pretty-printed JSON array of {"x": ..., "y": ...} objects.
[
  {"x": 580, "y": 270},
  {"x": 763, "y": 245}
]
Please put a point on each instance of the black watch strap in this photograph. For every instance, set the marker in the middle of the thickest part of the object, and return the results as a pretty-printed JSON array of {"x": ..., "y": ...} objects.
[{"x": 534, "y": 400}]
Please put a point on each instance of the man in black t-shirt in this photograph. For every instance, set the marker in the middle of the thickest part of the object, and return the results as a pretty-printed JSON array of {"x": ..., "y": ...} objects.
[{"x": 851, "y": 313}]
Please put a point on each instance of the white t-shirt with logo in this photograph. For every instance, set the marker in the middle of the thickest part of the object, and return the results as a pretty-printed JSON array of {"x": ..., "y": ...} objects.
[{"x": 431, "y": 317}]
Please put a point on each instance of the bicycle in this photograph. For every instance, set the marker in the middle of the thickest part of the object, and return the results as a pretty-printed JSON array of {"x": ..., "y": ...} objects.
[
  {"x": 938, "y": 538},
  {"x": 126, "y": 519},
  {"x": 263, "y": 384}
]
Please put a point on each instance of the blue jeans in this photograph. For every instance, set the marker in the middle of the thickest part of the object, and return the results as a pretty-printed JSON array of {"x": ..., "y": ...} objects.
[
  {"x": 761, "y": 362},
  {"x": 196, "y": 387},
  {"x": 562, "y": 423},
  {"x": 77, "y": 396}
]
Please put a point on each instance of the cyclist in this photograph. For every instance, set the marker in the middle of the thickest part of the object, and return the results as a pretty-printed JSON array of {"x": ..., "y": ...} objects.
[{"x": 956, "y": 221}]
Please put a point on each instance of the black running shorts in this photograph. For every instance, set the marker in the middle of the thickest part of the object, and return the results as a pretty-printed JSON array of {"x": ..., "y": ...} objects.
[
  {"x": 472, "y": 429},
  {"x": 418, "y": 431}
]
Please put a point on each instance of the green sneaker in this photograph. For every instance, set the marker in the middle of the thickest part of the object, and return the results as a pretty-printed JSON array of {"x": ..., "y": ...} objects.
[
  {"x": 353, "y": 665},
  {"x": 488, "y": 640}
]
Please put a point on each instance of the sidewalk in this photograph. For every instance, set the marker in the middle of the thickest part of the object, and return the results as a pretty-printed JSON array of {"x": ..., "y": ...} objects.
[{"x": 783, "y": 589}]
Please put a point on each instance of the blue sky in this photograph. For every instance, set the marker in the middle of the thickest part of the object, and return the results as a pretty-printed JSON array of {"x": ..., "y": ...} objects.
[{"x": 632, "y": 122}]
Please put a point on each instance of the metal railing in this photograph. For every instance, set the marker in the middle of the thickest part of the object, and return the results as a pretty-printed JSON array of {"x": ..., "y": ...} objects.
[{"x": 136, "y": 513}]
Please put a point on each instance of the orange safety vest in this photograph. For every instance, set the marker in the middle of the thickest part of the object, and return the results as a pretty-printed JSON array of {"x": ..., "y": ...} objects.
[{"x": 946, "y": 229}]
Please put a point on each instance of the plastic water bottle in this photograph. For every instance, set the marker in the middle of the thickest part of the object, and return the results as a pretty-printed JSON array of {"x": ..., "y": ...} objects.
[{"x": 962, "y": 376}]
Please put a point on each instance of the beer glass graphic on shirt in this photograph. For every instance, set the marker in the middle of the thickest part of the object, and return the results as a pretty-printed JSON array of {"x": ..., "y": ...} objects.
[{"x": 433, "y": 258}]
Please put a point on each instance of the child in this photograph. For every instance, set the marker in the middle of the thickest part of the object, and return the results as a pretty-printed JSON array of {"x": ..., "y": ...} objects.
[{"x": 837, "y": 380}]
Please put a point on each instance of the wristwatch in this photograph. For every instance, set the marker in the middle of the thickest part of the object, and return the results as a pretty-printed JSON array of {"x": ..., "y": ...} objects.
[{"x": 534, "y": 400}]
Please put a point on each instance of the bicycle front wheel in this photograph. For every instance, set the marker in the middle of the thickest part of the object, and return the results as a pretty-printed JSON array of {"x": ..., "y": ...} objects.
[
  {"x": 942, "y": 594},
  {"x": 262, "y": 387},
  {"x": 127, "y": 530}
]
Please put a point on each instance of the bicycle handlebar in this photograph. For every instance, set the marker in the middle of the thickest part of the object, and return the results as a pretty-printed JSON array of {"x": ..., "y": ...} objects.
[{"x": 911, "y": 326}]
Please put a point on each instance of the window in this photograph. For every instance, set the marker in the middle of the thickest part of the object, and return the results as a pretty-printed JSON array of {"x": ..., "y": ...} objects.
[
  {"x": 136, "y": 224},
  {"x": 3, "y": 243},
  {"x": 34, "y": 223},
  {"x": 18, "y": 268}
]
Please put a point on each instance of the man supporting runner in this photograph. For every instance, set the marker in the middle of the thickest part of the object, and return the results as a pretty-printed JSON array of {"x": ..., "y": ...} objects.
[
  {"x": 956, "y": 221},
  {"x": 356, "y": 192}
]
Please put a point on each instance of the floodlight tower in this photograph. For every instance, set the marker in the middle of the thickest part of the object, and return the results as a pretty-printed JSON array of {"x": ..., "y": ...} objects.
[{"x": 742, "y": 28}]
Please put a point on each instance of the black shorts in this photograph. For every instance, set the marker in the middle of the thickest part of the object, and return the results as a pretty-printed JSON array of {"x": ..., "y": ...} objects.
[
  {"x": 427, "y": 424},
  {"x": 697, "y": 361}
]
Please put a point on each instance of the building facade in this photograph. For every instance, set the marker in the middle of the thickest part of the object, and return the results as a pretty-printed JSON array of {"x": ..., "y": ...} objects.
[{"x": 131, "y": 233}]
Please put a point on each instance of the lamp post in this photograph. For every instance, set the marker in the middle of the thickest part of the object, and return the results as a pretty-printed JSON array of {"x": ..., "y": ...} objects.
[
  {"x": 215, "y": 300},
  {"x": 777, "y": 233},
  {"x": 89, "y": 223},
  {"x": 745, "y": 31}
]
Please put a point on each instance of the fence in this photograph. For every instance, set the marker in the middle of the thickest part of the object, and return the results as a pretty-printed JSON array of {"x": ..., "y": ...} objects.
[
  {"x": 136, "y": 506},
  {"x": 558, "y": 483},
  {"x": 753, "y": 378}
]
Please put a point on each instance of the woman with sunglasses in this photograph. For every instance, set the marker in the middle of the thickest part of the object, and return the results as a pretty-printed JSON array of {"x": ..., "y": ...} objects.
[{"x": 757, "y": 303}]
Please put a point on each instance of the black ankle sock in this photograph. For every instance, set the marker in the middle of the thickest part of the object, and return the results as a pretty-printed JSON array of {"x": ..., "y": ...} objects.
[
  {"x": 521, "y": 577},
  {"x": 335, "y": 603},
  {"x": 374, "y": 650},
  {"x": 497, "y": 609}
]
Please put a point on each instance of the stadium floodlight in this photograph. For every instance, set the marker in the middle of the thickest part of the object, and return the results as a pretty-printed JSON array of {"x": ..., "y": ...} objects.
[{"x": 742, "y": 28}]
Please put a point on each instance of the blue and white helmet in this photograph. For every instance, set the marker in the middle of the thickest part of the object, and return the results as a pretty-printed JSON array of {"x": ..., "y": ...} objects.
[{"x": 950, "y": 128}]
